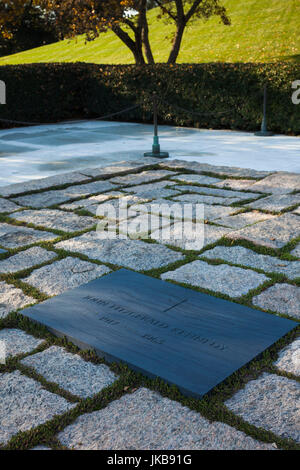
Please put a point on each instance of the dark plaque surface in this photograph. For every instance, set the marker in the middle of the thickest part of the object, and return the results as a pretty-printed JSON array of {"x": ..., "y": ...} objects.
[{"x": 189, "y": 339}]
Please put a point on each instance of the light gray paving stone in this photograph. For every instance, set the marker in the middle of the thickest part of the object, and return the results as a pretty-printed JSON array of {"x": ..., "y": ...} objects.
[
  {"x": 271, "y": 402},
  {"x": 276, "y": 202},
  {"x": 25, "y": 404},
  {"x": 144, "y": 420},
  {"x": 189, "y": 236},
  {"x": 235, "y": 184},
  {"x": 228, "y": 280},
  {"x": 278, "y": 183},
  {"x": 120, "y": 168},
  {"x": 64, "y": 274},
  {"x": 8, "y": 206},
  {"x": 178, "y": 210},
  {"x": 154, "y": 190},
  {"x": 200, "y": 179},
  {"x": 71, "y": 372},
  {"x": 281, "y": 298},
  {"x": 142, "y": 178},
  {"x": 42, "y": 183},
  {"x": 296, "y": 251},
  {"x": 49, "y": 198},
  {"x": 289, "y": 358},
  {"x": 40, "y": 447},
  {"x": 204, "y": 199},
  {"x": 224, "y": 193},
  {"x": 12, "y": 298},
  {"x": 55, "y": 219},
  {"x": 16, "y": 342},
  {"x": 133, "y": 254},
  {"x": 218, "y": 170},
  {"x": 118, "y": 209},
  {"x": 245, "y": 257},
  {"x": 273, "y": 233},
  {"x": 242, "y": 220},
  {"x": 141, "y": 225},
  {"x": 84, "y": 203},
  {"x": 26, "y": 259},
  {"x": 297, "y": 211},
  {"x": 13, "y": 236}
]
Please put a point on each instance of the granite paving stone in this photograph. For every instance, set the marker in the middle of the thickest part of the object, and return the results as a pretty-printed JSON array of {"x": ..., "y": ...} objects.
[
  {"x": 226, "y": 193},
  {"x": 17, "y": 342},
  {"x": 72, "y": 373},
  {"x": 120, "y": 168},
  {"x": 201, "y": 168},
  {"x": 49, "y": 198},
  {"x": 65, "y": 274},
  {"x": 142, "y": 178},
  {"x": 8, "y": 206},
  {"x": 13, "y": 236},
  {"x": 189, "y": 236},
  {"x": 276, "y": 202},
  {"x": 278, "y": 183},
  {"x": 84, "y": 203},
  {"x": 40, "y": 447},
  {"x": 271, "y": 402},
  {"x": 141, "y": 225},
  {"x": 134, "y": 254},
  {"x": 296, "y": 251},
  {"x": 235, "y": 184},
  {"x": 204, "y": 199},
  {"x": 25, "y": 404},
  {"x": 289, "y": 358},
  {"x": 119, "y": 207},
  {"x": 281, "y": 298},
  {"x": 154, "y": 190},
  {"x": 144, "y": 420},
  {"x": 246, "y": 257},
  {"x": 26, "y": 259},
  {"x": 42, "y": 183},
  {"x": 228, "y": 280},
  {"x": 243, "y": 219},
  {"x": 273, "y": 233},
  {"x": 12, "y": 298},
  {"x": 55, "y": 219},
  {"x": 297, "y": 211},
  {"x": 199, "y": 179}
]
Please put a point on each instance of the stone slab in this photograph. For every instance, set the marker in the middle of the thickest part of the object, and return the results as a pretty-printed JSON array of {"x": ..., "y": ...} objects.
[
  {"x": 72, "y": 373},
  {"x": 242, "y": 220},
  {"x": 85, "y": 203},
  {"x": 64, "y": 274},
  {"x": 26, "y": 259},
  {"x": 134, "y": 254},
  {"x": 142, "y": 178},
  {"x": 199, "y": 179},
  {"x": 42, "y": 183},
  {"x": 8, "y": 206},
  {"x": 226, "y": 193},
  {"x": 270, "y": 402},
  {"x": 278, "y": 183},
  {"x": 13, "y": 236},
  {"x": 201, "y": 168},
  {"x": 141, "y": 225},
  {"x": 297, "y": 211},
  {"x": 55, "y": 219},
  {"x": 2, "y": 251},
  {"x": 120, "y": 168},
  {"x": 276, "y": 202},
  {"x": 186, "y": 338},
  {"x": 25, "y": 404},
  {"x": 15, "y": 342},
  {"x": 189, "y": 236},
  {"x": 12, "y": 298},
  {"x": 296, "y": 251},
  {"x": 228, "y": 280},
  {"x": 144, "y": 420},
  {"x": 289, "y": 358},
  {"x": 235, "y": 184},
  {"x": 50, "y": 198},
  {"x": 281, "y": 298},
  {"x": 204, "y": 199},
  {"x": 245, "y": 257},
  {"x": 273, "y": 233}
]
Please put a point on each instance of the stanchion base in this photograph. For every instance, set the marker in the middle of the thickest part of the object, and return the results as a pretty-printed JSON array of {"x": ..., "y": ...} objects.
[
  {"x": 156, "y": 155},
  {"x": 264, "y": 134}
]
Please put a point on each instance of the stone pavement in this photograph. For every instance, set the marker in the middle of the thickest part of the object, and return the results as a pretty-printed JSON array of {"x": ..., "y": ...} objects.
[{"x": 247, "y": 251}]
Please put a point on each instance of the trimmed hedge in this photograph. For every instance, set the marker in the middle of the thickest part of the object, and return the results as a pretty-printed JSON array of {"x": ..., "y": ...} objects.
[{"x": 55, "y": 92}]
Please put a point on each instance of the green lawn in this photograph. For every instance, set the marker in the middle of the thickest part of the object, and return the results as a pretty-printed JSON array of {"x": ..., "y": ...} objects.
[{"x": 261, "y": 31}]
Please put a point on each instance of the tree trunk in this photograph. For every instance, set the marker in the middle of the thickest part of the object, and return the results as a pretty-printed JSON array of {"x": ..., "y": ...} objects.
[
  {"x": 136, "y": 48},
  {"x": 176, "y": 43},
  {"x": 145, "y": 32}
]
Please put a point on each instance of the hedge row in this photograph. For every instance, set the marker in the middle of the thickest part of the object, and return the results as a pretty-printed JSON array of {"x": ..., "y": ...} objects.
[{"x": 227, "y": 96}]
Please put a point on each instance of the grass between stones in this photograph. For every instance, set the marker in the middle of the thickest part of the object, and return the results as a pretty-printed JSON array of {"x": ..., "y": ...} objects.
[{"x": 210, "y": 406}]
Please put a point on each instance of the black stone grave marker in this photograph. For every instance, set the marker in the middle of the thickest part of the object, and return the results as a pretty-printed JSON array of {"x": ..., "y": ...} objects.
[{"x": 187, "y": 338}]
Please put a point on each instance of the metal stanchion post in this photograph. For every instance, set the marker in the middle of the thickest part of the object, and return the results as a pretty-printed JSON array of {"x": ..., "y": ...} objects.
[
  {"x": 156, "y": 147},
  {"x": 264, "y": 130}
]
